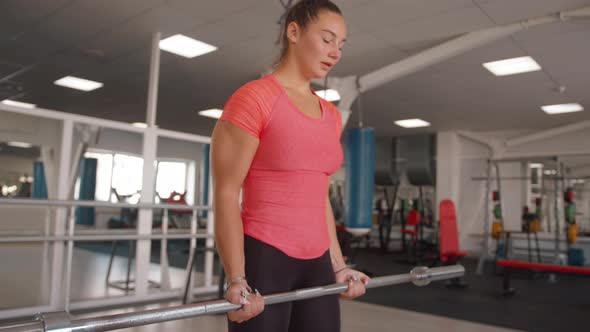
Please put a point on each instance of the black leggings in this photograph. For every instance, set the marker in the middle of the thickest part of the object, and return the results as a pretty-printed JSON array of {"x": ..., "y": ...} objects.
[{"x": 271, "y": 271}]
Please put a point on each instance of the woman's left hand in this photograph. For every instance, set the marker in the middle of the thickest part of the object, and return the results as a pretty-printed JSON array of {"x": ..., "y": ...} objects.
[{"x": 356, "y": 282}]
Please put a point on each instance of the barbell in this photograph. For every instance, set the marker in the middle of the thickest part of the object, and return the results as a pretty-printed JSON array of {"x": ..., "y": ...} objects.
[{"x": 62, "y": 322}]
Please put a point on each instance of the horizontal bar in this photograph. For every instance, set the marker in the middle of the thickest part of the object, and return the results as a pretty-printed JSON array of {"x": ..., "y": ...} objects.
[
  {"x": 23, "y": 312},
  {"x": 58, "y": 115},
  {"x": 109, "y": 302},
  {"x": 183, "y": 136},
  {"x": 117, "y": 301},
  {"x": 104, "y": 123},
  {"x": 104, "y": 237},
  {"x": 420, "y": 276},
  {"x": 66, "y": 203},
  {"x": 36, "y": 326},
  {"x": 544, "y": 177}
]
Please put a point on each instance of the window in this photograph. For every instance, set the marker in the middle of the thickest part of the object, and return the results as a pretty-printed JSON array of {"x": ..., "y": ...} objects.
[
  {"x": 124, "y": 173},
  {"x": 127, "y": 174},
  {"x": 104, "y": 172},
  {"x": 171, "y": 177}
]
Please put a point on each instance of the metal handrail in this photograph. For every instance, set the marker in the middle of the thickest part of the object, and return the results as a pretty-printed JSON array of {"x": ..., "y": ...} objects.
[
  {"x": 102, "y": 237},
  {"x": 71, "y": 203}
]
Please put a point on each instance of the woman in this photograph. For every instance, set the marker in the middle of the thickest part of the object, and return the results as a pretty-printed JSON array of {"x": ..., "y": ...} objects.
[{"x": 279, "y": 143}]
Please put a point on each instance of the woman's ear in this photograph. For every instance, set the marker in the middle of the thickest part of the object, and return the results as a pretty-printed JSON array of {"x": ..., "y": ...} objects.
[{"x": 293, "y": 32}]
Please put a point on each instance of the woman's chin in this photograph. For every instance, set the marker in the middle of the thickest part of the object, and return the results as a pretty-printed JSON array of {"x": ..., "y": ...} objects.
[{"x": 319, "y": 74}]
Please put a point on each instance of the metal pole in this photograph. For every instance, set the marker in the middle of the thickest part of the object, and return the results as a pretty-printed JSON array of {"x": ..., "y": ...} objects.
[
  {"x": 556, "y": 209},
  {"x": 65, "y": 152},
  {"x": 189, "y": 280},
  {"x": 210, "y": 242},
  {"x": 44, "y": 295},
  {"x": 498, "y": 183},
  {"x": 563, "y": 189},
  {"x": 164, "y": 265},
  {"x": 54, "y": 322},
  {"x": 152, "y": 102},
  {"x": 149, "y": 153},
  {"x": 68, "y": 203},
  {"x": 69, "y": 258},
  {"x": 486, "y": 222}
]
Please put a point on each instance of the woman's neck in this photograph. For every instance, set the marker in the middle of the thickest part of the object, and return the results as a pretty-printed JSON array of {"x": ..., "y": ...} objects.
[{"x": 291, "y": 77}]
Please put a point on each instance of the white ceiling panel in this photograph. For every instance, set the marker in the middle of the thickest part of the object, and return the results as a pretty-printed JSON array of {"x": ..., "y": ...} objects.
[
  {"x": 91, "y": 17},
  {"x": 21, "y": 15},
  {"x": 385, "y": 14},
  {"x": 30, "y": 47},
  {"x": 253, "y": 22},
  {"x": 214, "y": 10},
  {"x": 443, "y": 25},
  {"x": 369, "y": 61},
  {"x": 510, "y": 11}
]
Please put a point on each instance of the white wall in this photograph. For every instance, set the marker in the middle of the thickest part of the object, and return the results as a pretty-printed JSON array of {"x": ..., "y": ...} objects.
[
  {"x": 28, "y": 129},
  {"x": 448, "y": 168}
]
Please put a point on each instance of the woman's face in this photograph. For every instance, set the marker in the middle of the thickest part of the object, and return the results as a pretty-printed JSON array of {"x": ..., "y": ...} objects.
[{"x": 318, "y": 48}]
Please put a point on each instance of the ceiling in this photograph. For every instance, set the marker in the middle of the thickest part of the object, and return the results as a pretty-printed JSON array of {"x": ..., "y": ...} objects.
[{"x": 109, "y": 41}]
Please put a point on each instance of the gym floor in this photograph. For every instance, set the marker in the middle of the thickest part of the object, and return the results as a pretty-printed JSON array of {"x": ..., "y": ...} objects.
[{"x": 539, "y": 305}]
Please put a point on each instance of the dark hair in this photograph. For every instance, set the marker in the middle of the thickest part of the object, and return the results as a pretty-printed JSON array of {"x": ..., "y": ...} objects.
[{"x": 302, "y": 13}]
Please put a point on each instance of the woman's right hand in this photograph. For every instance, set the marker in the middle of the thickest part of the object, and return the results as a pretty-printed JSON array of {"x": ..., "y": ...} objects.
[{"x": 252, "y": 303}]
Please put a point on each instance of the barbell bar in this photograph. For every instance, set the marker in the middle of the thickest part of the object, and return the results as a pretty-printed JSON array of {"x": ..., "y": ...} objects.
[{"x": 61, "y": 321}]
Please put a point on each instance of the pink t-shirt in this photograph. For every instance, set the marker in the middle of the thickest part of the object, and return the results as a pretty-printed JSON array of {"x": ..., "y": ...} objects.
[{"x": 284, "y": 193}]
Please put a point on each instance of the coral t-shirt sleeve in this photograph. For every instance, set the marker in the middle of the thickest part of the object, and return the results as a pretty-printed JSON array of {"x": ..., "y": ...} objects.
[
  {"x": 247, "y": 109},
  {"x": 338, "y": 118}
]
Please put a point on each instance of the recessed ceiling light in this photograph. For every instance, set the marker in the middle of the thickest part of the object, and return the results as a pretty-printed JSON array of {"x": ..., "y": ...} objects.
[
  {"x": 412, "y": 123},
  {"x": 329, "y": 94},
  {"x": 212, "y": 113},
  {"x": 78, "y": 83},
  {"x": 562, "y": 108},
  {"x": 535, "y": 165},
  {"x": 20, "y": 144},
  {"x": 512, "y": 66},
  {"x": 185, "y": 46},
  {"x": 18, "y": 103},
  {"x": 139, "y": 124}
]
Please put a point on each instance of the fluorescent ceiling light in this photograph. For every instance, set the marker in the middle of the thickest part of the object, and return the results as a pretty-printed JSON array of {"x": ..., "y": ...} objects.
[
  {"x": 139, "y": 124},
  {"x": 536, "y": 165},
  {"x": 18, "y": 103},
  {"x": 185, "y": 46},
  {"x": 78, "y": 83},
  {"x": 512, "y": 66},
  {"x": 212, "y": 113},
  {"x": 329, "y": 95},
  {"x": 412, "y": 123},
  {"x": 20, "y": 144},
  {"x": 562, "y": 108}
]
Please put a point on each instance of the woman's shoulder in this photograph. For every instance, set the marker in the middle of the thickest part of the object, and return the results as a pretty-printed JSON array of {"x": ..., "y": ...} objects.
[
  {"x": 330, "y": 107},
  {"x": 259, "y": 89},
  {"x": 334, "y": 112}
]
